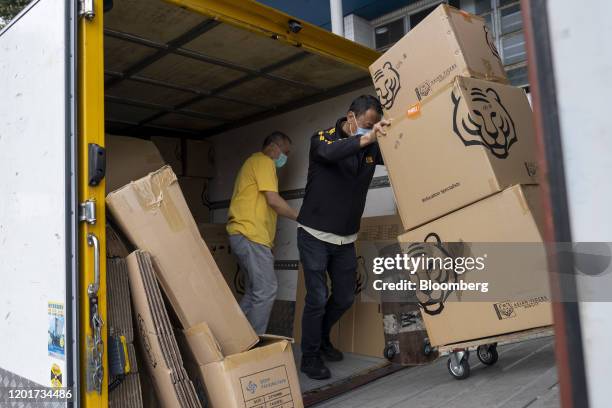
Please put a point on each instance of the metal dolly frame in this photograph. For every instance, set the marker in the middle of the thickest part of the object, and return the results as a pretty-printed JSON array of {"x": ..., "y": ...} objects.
[{"x": 486, "y": 349}]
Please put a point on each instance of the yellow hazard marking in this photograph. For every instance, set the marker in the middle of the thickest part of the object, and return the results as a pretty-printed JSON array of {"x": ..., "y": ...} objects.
[{"x": 56, "y": 376}]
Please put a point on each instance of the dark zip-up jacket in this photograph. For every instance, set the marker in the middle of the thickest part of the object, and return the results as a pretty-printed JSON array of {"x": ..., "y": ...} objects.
[{"x": 339, "y": 175}]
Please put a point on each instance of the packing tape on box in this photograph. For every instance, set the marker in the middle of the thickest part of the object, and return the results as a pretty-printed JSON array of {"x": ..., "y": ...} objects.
[
  {"x": 414, "y": 111},
  {"x": 150, "y": 196},
  {"x": 467, "y": 16}
]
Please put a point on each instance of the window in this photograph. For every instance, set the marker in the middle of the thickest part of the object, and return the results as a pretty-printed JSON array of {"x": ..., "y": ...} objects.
[
  {"x": 506, "y": 23},
  {"x": 388, "y": 34}
]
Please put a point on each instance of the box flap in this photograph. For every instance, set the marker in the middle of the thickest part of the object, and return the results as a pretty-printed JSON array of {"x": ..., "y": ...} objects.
[
  {"x": 271, "y": 337},
  {"x": 271, "y": 348},
  {"x": 203, "y": 344}
]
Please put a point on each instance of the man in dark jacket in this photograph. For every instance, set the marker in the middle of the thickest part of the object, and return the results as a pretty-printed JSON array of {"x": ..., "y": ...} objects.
[{"x": 341, "y": 167}]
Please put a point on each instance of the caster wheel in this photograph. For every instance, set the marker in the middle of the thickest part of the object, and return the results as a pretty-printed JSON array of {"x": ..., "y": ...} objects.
[
  {"x": 389, "y": 352},
  {"x": 487, "y": 354},
  {"x": 459, "y": 373},
  {"x": 427, "y": 349}
]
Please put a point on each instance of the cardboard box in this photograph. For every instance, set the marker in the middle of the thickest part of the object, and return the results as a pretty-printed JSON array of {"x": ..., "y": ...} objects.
[
  {"x": 154, "y": 216},
  {"x": 300, "y": 295},
  {"x": 405, "y": 334},
  {"x": 215, "y": 236},
  {"x": 360, "y": 330},
  {"x": 264, "y": 376},
  {"x": 170, "y": 150},
  {"x": 199, "y": 158},
  {"x": 163, "y": 359},
  {"x": 447, "y": 43},
  {"x": 516, "y": 273},
  {"x": 444, "y": 157},
  {"x": 128, "y": 159},
  {"x": 193, "y": 188}
]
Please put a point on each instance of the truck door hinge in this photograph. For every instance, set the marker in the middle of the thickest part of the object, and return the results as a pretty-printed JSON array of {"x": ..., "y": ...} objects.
[
  {"x": 87, "y": 212},
  {"x": 86, "y": 9}
]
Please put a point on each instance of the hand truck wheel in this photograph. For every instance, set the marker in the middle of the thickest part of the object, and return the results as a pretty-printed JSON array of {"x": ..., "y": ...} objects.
[
  {"x": 389, "y": 352},
  {"x": 487, "y": 354},
  {"x": 458, "y": 365}
]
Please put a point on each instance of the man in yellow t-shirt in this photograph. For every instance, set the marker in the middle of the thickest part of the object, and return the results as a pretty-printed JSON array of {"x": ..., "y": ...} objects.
[{"x": 252, "y": 225}]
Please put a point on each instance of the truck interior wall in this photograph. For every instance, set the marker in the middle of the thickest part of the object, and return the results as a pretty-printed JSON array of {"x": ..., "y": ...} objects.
[{"x": 232, "y": 148}]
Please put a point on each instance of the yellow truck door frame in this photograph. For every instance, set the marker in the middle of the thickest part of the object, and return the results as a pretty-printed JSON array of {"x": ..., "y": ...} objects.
[{"x": 91, "y": 234}]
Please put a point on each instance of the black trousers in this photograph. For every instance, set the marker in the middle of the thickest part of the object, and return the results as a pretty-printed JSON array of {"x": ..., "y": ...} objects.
[{"x": 321, "y": 310}]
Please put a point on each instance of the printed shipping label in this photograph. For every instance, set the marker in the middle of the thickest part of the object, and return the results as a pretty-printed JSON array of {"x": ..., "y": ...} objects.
[{"x": 267, "y": 389}]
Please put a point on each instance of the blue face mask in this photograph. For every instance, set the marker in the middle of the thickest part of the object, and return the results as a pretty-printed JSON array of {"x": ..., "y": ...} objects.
[
  {"x": 280, "y": 161},
  {"x": 360, "y": 131}
]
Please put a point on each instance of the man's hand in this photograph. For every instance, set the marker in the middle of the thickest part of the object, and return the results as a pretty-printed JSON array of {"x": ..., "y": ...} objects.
[
  {"x": 279, "y": 205},
  {"x": 378, "y": 130}
]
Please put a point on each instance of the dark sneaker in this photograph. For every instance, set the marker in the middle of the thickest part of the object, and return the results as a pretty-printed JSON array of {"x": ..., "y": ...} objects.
[
  {"x": 330, "y": 352},
  {"x": 314, "y": 368}
]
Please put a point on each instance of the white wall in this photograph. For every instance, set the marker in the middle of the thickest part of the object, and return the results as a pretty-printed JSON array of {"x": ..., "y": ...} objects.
[
  {"x": 359, "y": 30},
  {"x": 582, "y": 67},
  {"x": 235, "y": 146}
]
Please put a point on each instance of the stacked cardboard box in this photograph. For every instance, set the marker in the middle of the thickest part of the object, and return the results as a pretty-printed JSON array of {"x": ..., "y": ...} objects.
[
  {"x": 215, "y": 236},
  {"x": 129, "y": 158},
  {"x": 460, "y": 146},
  {"x": 153, "y": 215}
]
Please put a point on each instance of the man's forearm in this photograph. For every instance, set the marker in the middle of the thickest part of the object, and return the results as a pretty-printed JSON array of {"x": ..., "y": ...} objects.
[
  {"x": 280, "y": 206},
  {"x": 283, "y": 209}
]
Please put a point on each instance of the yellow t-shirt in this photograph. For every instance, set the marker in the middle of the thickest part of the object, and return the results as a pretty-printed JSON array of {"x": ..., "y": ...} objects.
[{"x": 249, "y": 212}]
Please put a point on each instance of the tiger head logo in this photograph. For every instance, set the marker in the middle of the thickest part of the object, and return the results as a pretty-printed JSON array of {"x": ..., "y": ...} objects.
[
  {"x": 387, "y": 84},
  {"x": 432, "y": 301},
  {"x": 484, "y": 121},
  {"x": 491, "y": 42}
]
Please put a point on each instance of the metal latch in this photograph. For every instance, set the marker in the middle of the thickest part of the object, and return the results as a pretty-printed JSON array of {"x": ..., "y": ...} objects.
[
  {"x": 87, "y": 212},
  {"x": 95, "y": 345},
  {"x": 86, "y": 9}
]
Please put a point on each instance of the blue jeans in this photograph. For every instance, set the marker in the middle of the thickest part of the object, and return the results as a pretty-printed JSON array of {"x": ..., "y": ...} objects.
[{"x": 321, "y": 310}]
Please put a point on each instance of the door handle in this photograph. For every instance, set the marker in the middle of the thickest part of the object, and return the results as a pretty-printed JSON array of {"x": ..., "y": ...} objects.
[{"x": 92, "y": 240}]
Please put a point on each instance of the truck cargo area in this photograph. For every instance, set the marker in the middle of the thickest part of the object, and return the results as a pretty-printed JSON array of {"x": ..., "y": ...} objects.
[{"x": 173, "y": 73}]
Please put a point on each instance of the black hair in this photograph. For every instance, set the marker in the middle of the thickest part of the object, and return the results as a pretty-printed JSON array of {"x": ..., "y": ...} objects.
[
  {"x": 364, "y": 103},
  {"x": 275, "y": 137}
]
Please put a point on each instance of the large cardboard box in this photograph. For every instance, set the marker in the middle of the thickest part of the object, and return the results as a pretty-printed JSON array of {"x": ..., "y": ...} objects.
[
  {"x": 154, "y": 216},
  {"x": 215, "y": 236},
  {"x": 300, "y": 299},
  {"x": 473, "y": 139},
  {"x": 264, "y": 376},
  {"x": 504, "y": 230},
  {"x": 128, "y": 159},
  {"x": 360, "y": 330},
  {"x": 447, "y": 43},
  {"x": 170, "y": 149},
  {"x": 199, "y": 158},
  {"x": 193, "y": 189}
]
